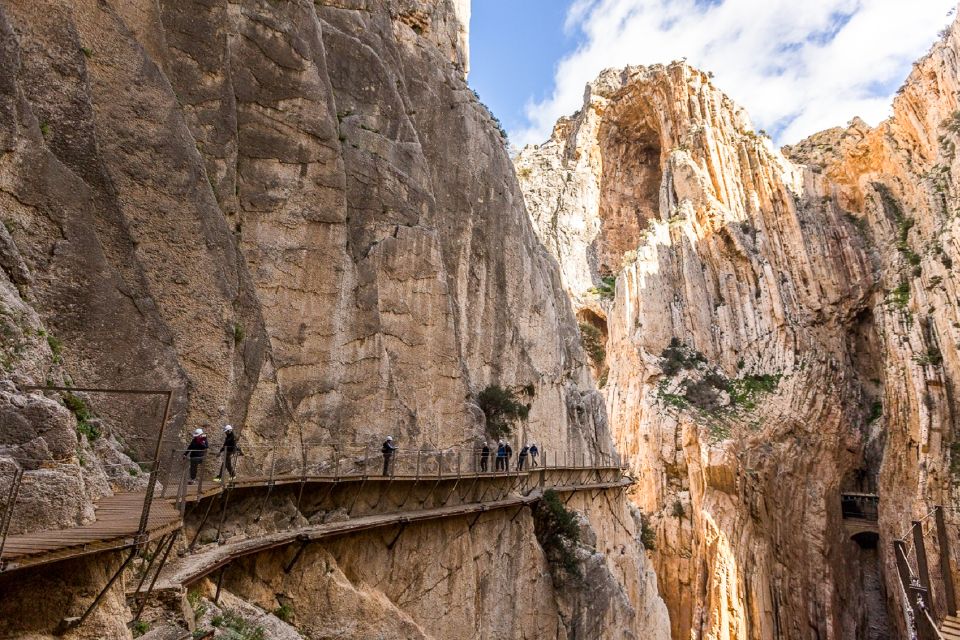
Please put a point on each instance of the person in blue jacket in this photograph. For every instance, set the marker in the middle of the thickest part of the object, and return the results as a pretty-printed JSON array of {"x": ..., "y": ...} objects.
[{"x": 501, "y": 456}]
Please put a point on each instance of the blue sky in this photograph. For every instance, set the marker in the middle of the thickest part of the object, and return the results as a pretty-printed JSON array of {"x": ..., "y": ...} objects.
[
  {"x": 514, "y": 49},
  {"x": 797, "y": 67}
]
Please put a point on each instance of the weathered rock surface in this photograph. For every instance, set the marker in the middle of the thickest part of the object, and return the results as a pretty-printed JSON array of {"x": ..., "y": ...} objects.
[
  {"x": 451, "y": 580},
  {"x": 298, "y": 216},
  {"x": 780, "y": 331}
]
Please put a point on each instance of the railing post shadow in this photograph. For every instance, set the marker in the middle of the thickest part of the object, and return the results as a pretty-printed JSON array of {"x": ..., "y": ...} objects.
[
  {"x": 921, "y": 552},
  {"x": 943, "y": 544}
]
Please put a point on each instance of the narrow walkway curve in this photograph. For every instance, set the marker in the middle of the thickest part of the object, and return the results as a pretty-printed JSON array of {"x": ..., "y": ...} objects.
[
  {"x": 118, "y": 516},
  {"x": 196, "y": 566}
]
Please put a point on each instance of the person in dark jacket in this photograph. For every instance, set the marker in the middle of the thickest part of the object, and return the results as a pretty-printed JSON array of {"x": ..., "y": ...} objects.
[
  {"x": 387, "y": 449},
  {"x": 508, "y": 450},
  {"x": 522, "y": 458},
  {"x": 501, "y": 456},
  {"x": 229, "y": 449},
  {"x": 196, "y": 452},
  {"x": 484, "y": 456},
  {"x": 534, "y": 454}
]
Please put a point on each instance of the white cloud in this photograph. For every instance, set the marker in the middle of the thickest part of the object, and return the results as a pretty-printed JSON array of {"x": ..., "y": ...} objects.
[{"x": 797, "y": 67}]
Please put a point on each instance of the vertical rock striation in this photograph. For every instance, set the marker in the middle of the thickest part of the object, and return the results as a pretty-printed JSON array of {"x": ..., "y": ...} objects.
[
  {"x": 298, "y": 216},
  {"x": 781, "y": 330}
]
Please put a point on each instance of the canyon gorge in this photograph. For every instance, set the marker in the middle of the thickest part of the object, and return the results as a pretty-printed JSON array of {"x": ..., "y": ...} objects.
[
  {"x": 770, "y": 330},
  {"x": 296, "y": 217}
]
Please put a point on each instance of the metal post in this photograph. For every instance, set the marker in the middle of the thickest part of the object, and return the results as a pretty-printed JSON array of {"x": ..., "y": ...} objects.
[
  {"x": 182, "y": 491},
  {"x": 203, "y": 463},
  {"x": 70, "y": 623},
  {"x": 168, "y": 482},
  {"x": 943, "y": 545},
  {"x": 921, "y": 551},
  {"x": 216, "y": 596},
  {"x": 154, "y": 470},
  {"x": 8, "y": 512},
  {"x": 303, "y": 482},
  {"x": 223, "y": 512},
  {"x": 273, "y": 466},
  {"x": 163, "y": 561}
]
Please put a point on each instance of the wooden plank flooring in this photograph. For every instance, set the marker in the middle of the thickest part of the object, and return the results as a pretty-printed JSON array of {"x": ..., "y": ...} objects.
[{"x": 115, "y": 527}]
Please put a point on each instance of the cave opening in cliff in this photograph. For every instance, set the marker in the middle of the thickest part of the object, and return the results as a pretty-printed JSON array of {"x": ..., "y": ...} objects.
[{"x": 629, "y": 188}]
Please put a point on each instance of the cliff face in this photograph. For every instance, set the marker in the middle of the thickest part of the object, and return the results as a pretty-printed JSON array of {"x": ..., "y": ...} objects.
[
  {"x": 459, "y": 580},
  {"x": 297, "y": 215},
  {"x": 780, "y": 331},
  {"x": 258, "y": 204}
]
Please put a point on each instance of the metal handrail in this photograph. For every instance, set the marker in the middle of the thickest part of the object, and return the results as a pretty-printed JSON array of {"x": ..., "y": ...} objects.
[{"x": 299, "y": 463}]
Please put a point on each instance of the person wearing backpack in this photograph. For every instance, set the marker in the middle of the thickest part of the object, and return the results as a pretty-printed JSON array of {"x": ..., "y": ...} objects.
[
  {"x": 484, "y": 456},
  {"x": 387, "y": 449},
  {"x": 508, "y": 452},
  {"x": 501, "y": 456},
  {"x": 229, "y": 449},
  {"x": 522, "y": 458},
  {"x": 196, "y": 452}
]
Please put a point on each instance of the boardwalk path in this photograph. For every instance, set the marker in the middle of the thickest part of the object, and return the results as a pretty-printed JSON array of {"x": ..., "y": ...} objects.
[
  {"x": 118, "y": 516},
  {"x": 116, "y": 524}
]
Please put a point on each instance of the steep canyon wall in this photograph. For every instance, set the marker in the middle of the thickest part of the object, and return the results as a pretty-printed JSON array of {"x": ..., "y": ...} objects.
[
  {"x": 781, "y": 330},
  {"x": 299, "y": 217}
]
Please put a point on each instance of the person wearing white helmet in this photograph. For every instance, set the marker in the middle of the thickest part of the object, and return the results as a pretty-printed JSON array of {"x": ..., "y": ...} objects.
[
  {"x": 387, "y": 449},
  {"x": 501, "y": 459},
  {"x": 196, "y": 452},
  {"x": 229, "y": 449},
  {"x": 522, "y": 458}
]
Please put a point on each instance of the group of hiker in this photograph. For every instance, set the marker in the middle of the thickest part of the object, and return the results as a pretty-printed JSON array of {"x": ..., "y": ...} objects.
[
  {"x": 504, "y": 452},
  {"x": 196, "y": 452}
]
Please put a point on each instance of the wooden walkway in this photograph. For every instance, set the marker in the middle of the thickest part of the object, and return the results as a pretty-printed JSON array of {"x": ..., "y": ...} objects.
[
  {"x": 191, "y": 568},
  {"x": 118, "y": 516},
  {"x": 115, "y": 527}
]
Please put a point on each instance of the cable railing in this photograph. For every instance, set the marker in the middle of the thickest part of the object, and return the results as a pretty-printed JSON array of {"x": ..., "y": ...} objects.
[
  {"x": 189, "y": 473},
  {"x": 922, "y": 556},
  {"x": 187, "y": 476}
]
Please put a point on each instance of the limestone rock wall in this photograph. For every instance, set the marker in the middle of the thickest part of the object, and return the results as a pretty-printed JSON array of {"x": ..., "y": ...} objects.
[
  {"x": 260, "y": 205},
  {"x": 298, "y": 216},
  {"x": 780, "y": 331},
  {"x": 451, "y": 580}
]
